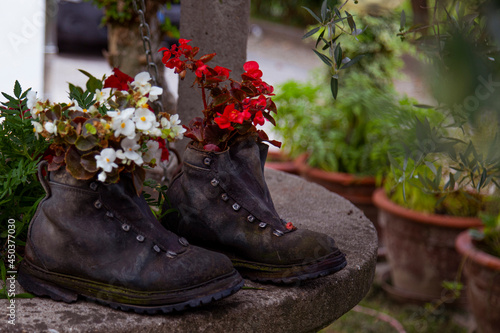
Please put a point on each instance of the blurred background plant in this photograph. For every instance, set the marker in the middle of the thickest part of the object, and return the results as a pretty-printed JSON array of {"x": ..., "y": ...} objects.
[
  {"x": 353, "y": 133},
  {"x": 459, "y": 151}
]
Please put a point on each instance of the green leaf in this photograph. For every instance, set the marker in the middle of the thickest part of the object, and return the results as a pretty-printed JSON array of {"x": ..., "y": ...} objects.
[
  {"x": 17, "y": 89},
  {"x": 337, "y": 12},
  {"x": 338, "y": 55},
  {"x": 90, "y": 128},
  {"x": 324, "y": 58},
  {"x": 334, "y": 86},
  {"x": 352, "y": 61},
  {"x": 313, "y": 15},
  {"x": 93, "y": 84},
  {"x": 432, "y": 167},
  {"x": 85, "y": 144},
  {"x": 311, "y": 32},
  {"x": 321, "y": 38},
  {"x": 324, "y": 10},
  {"x": 74, "y": 166},
  {"x": 351, "y": 22}
]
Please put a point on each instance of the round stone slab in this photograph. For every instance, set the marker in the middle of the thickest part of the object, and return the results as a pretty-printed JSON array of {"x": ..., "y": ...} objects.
[{"x": 307, "y": 307}]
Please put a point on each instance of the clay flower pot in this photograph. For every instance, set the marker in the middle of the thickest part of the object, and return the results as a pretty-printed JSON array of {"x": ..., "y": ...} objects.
[
  {"x": 482, "y": 271},
  {"x": 358, "y": 190},
  {"x": 420, "y": 248},
  {"x": 279, "y": 161}
]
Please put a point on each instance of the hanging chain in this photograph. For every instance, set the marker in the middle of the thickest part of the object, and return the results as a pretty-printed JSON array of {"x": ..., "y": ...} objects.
[{"x": 140, "y": 9}]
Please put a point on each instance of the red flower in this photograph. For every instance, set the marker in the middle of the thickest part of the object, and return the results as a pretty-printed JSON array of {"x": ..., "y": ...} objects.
[
  {"x": 118, "y": 80},
  {"x": 259, "y": 119},
  {"x": 252, "y": 70},
  {"x": 165, "y": 153},
  {"x": 201, "y": 69},
  {"x": 222, "y": 71},
  {"x": 231, "y": 115},
  {"x": 290, "y": 226}
]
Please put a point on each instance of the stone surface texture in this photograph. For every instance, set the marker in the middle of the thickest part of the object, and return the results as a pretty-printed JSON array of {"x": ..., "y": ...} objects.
[
  {"x": 215, "y": 26},
  {"x": 260, "y": 307}
]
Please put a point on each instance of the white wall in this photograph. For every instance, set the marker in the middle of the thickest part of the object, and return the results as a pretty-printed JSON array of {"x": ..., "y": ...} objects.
[{"x": 22, "y": 33}]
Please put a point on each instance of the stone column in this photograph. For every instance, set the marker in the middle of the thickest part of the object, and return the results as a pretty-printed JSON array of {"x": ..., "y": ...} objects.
[{"x": 219, "y": 26}]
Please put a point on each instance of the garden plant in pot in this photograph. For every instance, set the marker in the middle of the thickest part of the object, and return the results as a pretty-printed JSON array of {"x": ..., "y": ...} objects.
[
  {"x": 446, "y": 173},
  {"x": 481, "y": 251},
  {"x": 342, "y": 144},
  {"x": 221, "y": 196},
  {"x": 94, "y": 235}
]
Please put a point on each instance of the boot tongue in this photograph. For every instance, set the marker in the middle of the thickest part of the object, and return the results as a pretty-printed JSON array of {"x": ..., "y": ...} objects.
[{"x": 122, "y": 200}]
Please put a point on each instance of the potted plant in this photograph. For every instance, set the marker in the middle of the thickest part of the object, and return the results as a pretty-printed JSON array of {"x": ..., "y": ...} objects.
[
  {"x": 221, "y": 195},
  {"x": 93, "y": 234},
  {"x": 446, "y": 172},
  {"x": 481, "y": 251},
  {"x": 342, "y": 144}
]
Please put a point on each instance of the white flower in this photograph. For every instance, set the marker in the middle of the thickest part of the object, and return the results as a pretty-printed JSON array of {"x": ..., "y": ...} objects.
[
  {"x": 152, "y": 152},
  {"x": 144, "y": 119},
  {"x": 125, "y": 127},
  {"x": 165, "y": 123},
  {"x": 50, "y": 127},
  {"x": 106, "y": 160},
  {"x": 154, "y": 93},
  {"x": 93, "y": 110},
  {"x": 37, "y": 128},
  {"x": 130, "y": 150},
  {"x": 178, "y": 132},
  {"x": 75, "y": 106},
  {"x": 121, "y": 115},
  {"x": 102, "y": 96},
  {"x": 141, "y": 82},
  {"x": 31, "y": 99},
  {"x": 102, "y": 177}
]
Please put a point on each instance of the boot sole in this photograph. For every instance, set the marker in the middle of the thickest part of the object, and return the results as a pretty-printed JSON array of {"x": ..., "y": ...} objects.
[
  {"x": 287, "y": 274},
  {"x": 60, "y": 287}
]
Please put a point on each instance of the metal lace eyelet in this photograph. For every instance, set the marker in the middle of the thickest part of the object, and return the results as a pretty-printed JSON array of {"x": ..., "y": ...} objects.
[
  {"x": 125, "y": 227},
  {"x": 98, "y": 204},
  {"x": 236, "y": 207},
  {"x": 214, "y": 182},
  {"x": 109, "y": 214},
  {"x": 225, "y": 197},
  {"x": 262, "y": 225},
  {"x": 207, "y": 161},
  {"x": 278, "y": 233},
  {"x": 171, "y": 254},
  {"x": 93, "y": 186},
  {"x": 157, "y": 248},
  {"x": 250, "y": 218},
  {"x": 183, "y": 241},
  {"x": 140, "y": 238}
]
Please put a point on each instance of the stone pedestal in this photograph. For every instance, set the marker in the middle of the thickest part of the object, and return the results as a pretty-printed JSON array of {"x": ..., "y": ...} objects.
[{"x": 257, "y": 308}]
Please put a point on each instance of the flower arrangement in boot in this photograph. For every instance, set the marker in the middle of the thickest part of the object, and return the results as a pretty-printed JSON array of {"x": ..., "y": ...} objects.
[
  {"x": 107, "y": 129},
  {"x": 94, "y": 235},
  {"x": 221, "y": 198},
  {"x": 231, "y": 108}
]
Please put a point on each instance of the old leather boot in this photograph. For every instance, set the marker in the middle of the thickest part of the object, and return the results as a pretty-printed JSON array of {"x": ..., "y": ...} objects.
[
  {"x": 225, "y": 205},
  {"x": 102, "y": 242}
]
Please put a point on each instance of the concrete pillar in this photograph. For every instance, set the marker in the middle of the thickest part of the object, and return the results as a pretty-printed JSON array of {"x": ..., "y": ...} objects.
[{"x": 219, "y": 26}]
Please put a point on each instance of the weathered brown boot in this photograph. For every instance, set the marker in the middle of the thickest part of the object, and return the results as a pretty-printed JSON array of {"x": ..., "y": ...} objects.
[
  {"x": 102, "y": 242},
  {"x": 224, "y": 205}
]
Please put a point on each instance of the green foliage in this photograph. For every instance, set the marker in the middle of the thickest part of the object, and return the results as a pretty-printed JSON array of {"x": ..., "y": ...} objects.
[
  {"x": 330, "y": 26},
  {"x": 352, "y": 135},
  {"x": 285, "y": 11},
  {"x": 20, "y": 191},
  {"x": 488, "y": 239},
  {"x": 456, "y": 156}
]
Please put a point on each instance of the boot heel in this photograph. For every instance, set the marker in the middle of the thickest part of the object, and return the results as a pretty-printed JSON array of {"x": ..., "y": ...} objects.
[{"x": 41, "y": 287}]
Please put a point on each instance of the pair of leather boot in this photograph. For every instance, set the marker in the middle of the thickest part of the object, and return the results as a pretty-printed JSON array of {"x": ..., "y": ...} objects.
[{"x": 101, "y": 241}]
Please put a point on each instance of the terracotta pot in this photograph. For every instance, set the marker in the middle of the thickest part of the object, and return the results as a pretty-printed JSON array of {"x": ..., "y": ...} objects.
[
  {"x": 482, "y": 271},
  {"x": 278, "y": 161},
  {"x": 420, "y": 248},
  {"x": 358, "y": 190}
]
